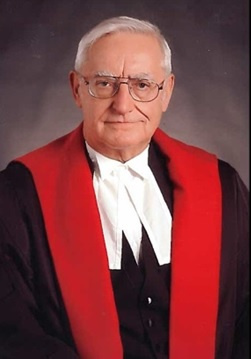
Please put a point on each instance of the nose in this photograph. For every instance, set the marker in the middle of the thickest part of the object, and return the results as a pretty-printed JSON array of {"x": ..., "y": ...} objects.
[{"x": 122, "y": 101}]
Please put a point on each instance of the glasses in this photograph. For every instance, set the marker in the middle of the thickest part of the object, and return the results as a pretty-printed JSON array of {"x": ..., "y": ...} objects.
[{"x": 104, "y": 87}]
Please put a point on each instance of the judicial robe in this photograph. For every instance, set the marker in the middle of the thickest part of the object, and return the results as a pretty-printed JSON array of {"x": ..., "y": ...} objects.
[{"x": 40, "y": 279}]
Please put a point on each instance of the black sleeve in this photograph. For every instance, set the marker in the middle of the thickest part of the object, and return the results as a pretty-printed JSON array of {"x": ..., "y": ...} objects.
[
  {"x": 233, "y": 319},
  {"x": 241, "y": 343},
  {"x": 30, "y": 323}
]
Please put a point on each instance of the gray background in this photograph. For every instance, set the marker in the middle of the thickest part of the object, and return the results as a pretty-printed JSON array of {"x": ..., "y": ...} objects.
[{"x": 209, "y": 41}]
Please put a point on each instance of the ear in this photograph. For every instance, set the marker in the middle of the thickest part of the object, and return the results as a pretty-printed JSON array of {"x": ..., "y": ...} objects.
[
  {"x": 75, "y": 87},
  {"x": 167, "y": 91}
]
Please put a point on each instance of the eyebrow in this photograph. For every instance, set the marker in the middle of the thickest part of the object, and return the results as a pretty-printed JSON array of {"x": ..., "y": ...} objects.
[
  {"x": 104, "y": 73},
  {"x": 141, "y": 75}
]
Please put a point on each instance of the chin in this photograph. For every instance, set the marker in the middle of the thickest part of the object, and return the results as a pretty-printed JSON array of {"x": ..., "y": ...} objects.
[
  {"x": 124, "y": 142},
  {"x": 128, "y": 144}
]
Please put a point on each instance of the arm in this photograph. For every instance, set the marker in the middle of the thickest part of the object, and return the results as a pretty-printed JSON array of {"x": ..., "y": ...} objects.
[
  {"x": 241, "y": 343},
  {"x": 233, "y": 320},
  {"x": 21, "y": 336},
  {"x": 33, "y": 323}
]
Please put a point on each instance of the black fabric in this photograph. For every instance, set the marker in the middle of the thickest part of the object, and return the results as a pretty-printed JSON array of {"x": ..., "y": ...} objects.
[
  {"x": 155, "y": 299},
  {"x": 233, "y": 316},
  {"x": 33, "y": 322},
  {"x": 142, "y": 296}
]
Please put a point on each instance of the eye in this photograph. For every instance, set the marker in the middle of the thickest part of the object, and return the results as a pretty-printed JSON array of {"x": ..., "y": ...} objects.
[
  {"x": 142, "y": 84},
  {"x": 103, "y": 83}
]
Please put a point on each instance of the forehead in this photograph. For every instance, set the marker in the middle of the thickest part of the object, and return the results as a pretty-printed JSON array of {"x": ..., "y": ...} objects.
[{"x": 125, "y": 54}]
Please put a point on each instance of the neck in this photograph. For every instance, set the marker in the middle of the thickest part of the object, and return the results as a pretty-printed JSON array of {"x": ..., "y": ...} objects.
[{"x": 121, "y": 155}]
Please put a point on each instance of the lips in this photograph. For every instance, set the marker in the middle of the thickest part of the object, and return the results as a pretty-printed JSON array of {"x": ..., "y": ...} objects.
[{"x": 124, "y": 121}]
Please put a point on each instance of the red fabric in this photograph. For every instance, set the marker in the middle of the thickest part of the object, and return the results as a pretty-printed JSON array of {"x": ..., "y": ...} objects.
[
  {"x": 196, "y": 239},
  {"x": 64, "y": 184}
]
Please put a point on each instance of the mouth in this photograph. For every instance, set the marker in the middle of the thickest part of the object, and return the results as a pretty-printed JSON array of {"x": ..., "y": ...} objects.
[{"x": 123, "y": 121}]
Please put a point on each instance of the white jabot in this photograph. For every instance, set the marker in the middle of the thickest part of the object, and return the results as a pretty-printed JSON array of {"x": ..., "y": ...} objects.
[{"x": 128, "y": 196}]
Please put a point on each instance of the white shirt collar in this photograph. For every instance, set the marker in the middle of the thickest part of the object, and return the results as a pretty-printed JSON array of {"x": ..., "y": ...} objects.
[{"x": 105, "y": 165}]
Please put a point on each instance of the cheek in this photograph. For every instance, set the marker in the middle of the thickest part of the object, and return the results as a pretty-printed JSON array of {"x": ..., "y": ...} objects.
[
  {"x": 153, "y": 114},
  {"x": 93, "y": 115},
  {"x": 93, "y": 109},
  {"x": 90, "y": 113},
  {"x": 155, "y": 120}
]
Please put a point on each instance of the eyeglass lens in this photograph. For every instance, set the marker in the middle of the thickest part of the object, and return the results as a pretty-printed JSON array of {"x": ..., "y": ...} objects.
[{"x": 140, "y": 89}]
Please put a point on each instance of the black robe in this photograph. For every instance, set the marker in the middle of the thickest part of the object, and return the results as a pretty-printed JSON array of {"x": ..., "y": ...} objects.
[{"x": 33, "y": 320}]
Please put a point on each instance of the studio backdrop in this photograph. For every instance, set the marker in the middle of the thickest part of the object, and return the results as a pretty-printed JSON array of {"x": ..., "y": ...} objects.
[{"x": 210, "y": 54}]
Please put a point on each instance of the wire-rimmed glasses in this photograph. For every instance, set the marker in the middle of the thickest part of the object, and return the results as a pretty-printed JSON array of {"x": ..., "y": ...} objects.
[{"x": 104, "y": 87}]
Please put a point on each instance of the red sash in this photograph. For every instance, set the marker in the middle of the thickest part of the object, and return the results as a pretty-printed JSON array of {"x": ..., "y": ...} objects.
[{"x": 64, "y": 184}]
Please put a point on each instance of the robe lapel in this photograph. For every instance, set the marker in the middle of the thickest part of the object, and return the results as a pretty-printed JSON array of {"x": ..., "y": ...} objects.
[
  {"x": 195, "y": 257},
  {"x": 64, "y": 184}
]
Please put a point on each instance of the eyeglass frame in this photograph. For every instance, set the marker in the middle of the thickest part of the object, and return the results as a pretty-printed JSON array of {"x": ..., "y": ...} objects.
[{"x": 160, "y": 86}]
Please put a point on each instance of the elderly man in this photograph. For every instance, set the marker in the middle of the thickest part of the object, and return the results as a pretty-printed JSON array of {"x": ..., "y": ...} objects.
[{"x": 116, "y": 240}]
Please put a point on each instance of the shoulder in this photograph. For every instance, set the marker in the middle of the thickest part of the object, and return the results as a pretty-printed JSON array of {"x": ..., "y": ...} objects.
[
  {"x": 226, "y": 170},
  {"x": 176, "y": 149},
  {"x": 55, "y": 151},
  {"x": 15, "y": 182},
  {"x": 232, "y": 184},
  {"x": 19, "y": 204}
]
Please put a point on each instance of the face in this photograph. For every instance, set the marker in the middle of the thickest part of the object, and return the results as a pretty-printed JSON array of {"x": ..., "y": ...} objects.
[{"x": 120, "y": 127}]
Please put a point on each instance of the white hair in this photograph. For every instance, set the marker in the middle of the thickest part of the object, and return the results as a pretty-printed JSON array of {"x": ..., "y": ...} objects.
[{"x": 122, "y": 24}]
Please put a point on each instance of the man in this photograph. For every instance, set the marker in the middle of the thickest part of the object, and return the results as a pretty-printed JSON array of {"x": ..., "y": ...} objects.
[{"x": 116, "y": 240}]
